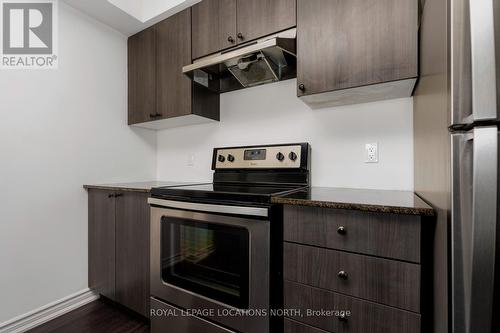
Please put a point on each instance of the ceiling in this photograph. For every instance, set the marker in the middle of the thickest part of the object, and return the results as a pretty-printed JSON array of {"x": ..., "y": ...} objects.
[{"x": 130, "y": 16}]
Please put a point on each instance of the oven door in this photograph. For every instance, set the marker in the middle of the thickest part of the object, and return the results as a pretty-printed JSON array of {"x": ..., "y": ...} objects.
[{"x": 204, "y": 257}]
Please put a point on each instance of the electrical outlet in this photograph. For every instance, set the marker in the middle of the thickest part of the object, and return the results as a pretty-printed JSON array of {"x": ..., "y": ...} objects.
[
  {"x": 371, "y": 153},
  {"x": 190, "y": 160}
]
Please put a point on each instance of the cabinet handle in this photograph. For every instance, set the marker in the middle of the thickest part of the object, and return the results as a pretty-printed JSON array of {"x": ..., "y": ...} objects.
[
  {"x": 111, "y": 195},
  {"x": 239, "y": 35},
  {"x": 156, "y": 115},
  {"x": 302, "y": 87},
  {"x": 117, "y": 195},
  {"x": 343, "y": 275},
  {"x": 341, "y": 230},
  {"x": 230, "y": 39}
]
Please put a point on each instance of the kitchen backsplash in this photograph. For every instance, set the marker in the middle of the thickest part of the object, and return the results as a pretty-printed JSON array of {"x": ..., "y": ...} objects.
[{"x": 273, "y": 114}]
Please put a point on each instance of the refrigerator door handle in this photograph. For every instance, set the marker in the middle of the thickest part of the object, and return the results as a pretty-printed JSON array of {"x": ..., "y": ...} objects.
[
  {"x": 484, "y": 219},
  {"x": 482, "y": 30},
  {"x": 462, "y": 146}
]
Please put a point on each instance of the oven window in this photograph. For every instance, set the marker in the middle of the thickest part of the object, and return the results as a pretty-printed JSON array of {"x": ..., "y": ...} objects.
[{"x": 209, "y": 259}]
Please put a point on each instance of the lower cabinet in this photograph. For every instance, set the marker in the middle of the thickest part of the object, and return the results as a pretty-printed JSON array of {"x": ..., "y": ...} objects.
[
  {"x": 364, "y": 316},
  {"x": 292, "y": 326},
  {"x": 390, "y": 282},
  {"x": 102, "y": 242},
  {"x": 353, "y": 271},
  {"x": 119, "y": 247},
  {"x": 132, "y": 252}
]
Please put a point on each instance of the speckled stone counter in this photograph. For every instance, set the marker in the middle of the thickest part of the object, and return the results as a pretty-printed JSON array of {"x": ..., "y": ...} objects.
[
  {"x": 134, "y": 187},
  {"x": 397, "y": 202}
]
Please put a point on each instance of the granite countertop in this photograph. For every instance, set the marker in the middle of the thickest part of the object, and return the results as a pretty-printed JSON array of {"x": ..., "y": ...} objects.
[
  {"x": 384, "y": 201},
  {"x": 134, "y": 187}
]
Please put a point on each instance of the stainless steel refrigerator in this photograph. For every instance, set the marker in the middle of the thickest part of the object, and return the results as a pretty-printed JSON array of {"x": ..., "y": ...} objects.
[{"x": 458, "y": 94}]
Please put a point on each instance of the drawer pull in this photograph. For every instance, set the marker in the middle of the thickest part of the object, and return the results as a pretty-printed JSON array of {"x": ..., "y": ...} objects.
[
  {"x": 341, "y": 230},
  {"x": 343, "y": 275},
  {"x": 342, "y": 317}
]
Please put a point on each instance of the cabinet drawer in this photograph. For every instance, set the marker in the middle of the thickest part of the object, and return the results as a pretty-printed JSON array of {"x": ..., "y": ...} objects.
[
  {"x": 365, "y": 317},
  {"x": 292, "y": 326},
  {"x": 381, "y": 280},
  {"x": 166, "y": 318},
  {"x": 379, "y": 234}
]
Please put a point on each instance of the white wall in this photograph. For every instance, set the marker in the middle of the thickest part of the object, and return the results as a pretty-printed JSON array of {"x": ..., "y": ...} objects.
[
  {"x": 60, "y": 129},
  {"x": 273, "y": 114}
]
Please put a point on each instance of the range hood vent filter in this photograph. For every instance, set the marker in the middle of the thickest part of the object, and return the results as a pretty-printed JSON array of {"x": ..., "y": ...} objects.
[
  {"x": 254, "y": 70},
  {"x": 265, "y": 61}
]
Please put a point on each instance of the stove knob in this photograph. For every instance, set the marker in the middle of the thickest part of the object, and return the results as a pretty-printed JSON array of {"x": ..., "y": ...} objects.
[
  {"x": 221, "y": 158},
  {"x": 280, "y": 156},
  {"x": 292, "y": 156},
  {"x": 230, "y": 158}
]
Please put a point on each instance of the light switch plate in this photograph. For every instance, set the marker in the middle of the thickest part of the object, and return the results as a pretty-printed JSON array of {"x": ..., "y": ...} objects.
[{"x": 371, "y": 153}]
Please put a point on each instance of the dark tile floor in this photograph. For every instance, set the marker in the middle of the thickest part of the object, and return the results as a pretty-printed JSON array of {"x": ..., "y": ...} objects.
[{"x": 100, "y": 316}]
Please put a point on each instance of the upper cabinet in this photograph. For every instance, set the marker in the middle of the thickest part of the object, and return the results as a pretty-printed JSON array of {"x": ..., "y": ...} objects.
[
  {"x": 221, "y": 24},
  {"x": 348, "y": 52},
  {"x": 259, "y": 18},
  {"x": 160, "y": 95},
  {"x": 173, "y": 49},
  {"x": 142, "y": 76},
  {"x": 356, "y": 51},
  {"x": 214, "y": 26}
]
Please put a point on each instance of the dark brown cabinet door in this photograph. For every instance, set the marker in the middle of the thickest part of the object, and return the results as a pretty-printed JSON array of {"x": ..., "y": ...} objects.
[
  {"x": 364, "y": 316},
  {"x": 102, "y": 242},
  {"x": 227, "y": 23},
  {"x": 173, "y": 46},
  {"x": 214, "y": 26},
  {"x": 384, "y": 281},
  {"x": 343, "y": 44},
  {"x": 258, "y": 18},
  {"x": 142, "y": 76},
  {"x": 132, "y": 251}
]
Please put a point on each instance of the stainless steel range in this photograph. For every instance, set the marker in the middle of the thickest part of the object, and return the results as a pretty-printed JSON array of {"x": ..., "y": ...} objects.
[{"x": 216, "y": 249}]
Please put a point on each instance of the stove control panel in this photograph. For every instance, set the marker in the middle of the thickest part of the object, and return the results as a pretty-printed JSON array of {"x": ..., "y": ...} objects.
[{"x": 288, "y": 156}]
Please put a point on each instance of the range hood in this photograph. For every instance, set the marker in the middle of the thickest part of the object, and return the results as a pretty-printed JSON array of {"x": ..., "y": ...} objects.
[{"x": 264, "y": 61}]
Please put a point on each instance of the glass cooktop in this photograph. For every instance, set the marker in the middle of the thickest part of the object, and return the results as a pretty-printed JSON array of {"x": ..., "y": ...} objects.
[{"x": 224, "y": 192}]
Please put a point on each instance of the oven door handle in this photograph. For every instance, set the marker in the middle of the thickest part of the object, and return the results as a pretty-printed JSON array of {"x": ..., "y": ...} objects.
[{"x": 209, "y": 208}]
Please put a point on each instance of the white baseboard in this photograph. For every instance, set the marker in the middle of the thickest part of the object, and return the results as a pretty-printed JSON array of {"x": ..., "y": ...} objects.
[{"x": 48, "y": 312}]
